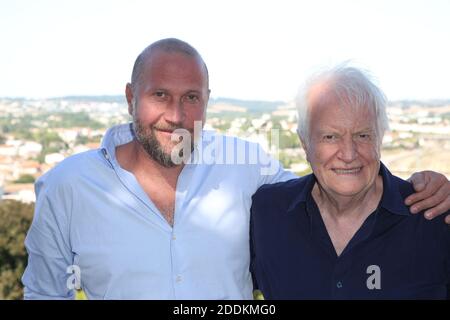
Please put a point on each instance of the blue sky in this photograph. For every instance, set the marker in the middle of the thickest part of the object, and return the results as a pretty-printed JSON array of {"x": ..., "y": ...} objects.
[{"x": 254, "y": 49}]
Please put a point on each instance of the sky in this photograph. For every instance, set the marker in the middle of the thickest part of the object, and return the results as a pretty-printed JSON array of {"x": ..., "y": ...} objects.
[{"x": 256, "y": 50}]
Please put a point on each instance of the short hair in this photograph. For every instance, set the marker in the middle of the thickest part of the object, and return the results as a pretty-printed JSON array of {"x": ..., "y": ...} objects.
[
  {"x": 351, "y": 86},
  {"x": 165, "y": 45}
]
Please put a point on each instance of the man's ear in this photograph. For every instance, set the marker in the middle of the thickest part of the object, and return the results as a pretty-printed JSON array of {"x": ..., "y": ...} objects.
[
  {"x": 206, "y": 107},
  {"x": 130, "y": 96}
]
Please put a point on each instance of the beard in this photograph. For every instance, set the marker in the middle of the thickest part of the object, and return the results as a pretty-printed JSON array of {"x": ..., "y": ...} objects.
[{"x": 146, "y": 137}]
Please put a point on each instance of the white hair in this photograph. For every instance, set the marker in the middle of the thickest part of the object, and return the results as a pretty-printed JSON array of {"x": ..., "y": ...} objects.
[{"x": 352, "y": 87}]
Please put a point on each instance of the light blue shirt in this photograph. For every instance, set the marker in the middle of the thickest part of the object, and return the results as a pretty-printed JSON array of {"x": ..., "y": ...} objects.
[{"x": 94, "y": 216}]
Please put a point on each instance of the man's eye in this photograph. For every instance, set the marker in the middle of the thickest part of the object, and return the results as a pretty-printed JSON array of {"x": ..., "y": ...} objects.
[
  {"x": 192, "y": 98},
  {"x": 329, "y": 137},
  {"x": 364, "y": 136},
  {"x": 160, "y": 94}
]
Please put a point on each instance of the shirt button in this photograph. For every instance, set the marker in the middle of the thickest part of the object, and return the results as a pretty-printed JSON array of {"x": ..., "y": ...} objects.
[
  {"x": 178, "y": 279},
  {"x": 174, "y": 237},
  {"x": 339, "y": 285}
]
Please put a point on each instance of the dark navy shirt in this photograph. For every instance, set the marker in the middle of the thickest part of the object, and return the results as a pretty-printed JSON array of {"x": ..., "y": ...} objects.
[{"x": 394, "y": 255}]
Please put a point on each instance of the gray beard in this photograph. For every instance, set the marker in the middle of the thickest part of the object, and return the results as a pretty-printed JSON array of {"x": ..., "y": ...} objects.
[{"x": 149, "y": 142}]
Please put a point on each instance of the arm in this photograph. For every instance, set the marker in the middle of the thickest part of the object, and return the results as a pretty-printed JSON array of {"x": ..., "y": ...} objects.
[
  {"x": 432, "y": 193},
  {"x": 271, "y": 170},
  {"x": 48, "y": 247},
  {"x": 252, "y": 262}
]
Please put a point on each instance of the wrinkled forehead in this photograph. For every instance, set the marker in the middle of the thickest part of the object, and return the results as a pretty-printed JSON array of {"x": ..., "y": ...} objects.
[{"x": 327, "y": 107}]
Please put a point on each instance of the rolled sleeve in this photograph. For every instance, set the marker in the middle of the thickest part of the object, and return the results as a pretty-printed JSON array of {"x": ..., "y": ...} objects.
[{"x": 48, "y": 247}]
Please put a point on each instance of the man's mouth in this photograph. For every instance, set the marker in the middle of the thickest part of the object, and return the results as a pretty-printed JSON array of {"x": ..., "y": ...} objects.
[
  {"x": 165, "y": 131},
  {"x": 347, "y": 171}
]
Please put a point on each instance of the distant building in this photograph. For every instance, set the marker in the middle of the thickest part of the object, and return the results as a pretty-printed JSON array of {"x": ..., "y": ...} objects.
[
  {"x": 8, "y": 150},
  {"x": 29, "y": 149},
  {"x": 53, "y": 158},
  {"x": 19, "y": 192},
  {"x": 80, "y": 148},
  {"x": 298, "y": 167}
]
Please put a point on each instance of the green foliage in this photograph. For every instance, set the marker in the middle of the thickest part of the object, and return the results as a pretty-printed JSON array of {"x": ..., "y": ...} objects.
[
  {"x": 289, "y": 140},
  {"x": 15, "y": 220},
  {"x": 256, "y": 107},
  {"x": 223, "y": 127},
  {"x": 47, "y": 138},
  {"x": 304, "y": 172},
  {"x": 25, "y": 178},
  {"x": 81, "y": 139},
  {"x": 51, "y": 143},
  {"x": 20, "y": 126},
  {"x": 257, "y": 295},
  {"x": 246, "y": 125},
  {"x": 285, "y": 160},
  {"x": 73, "y": 119},
  {"x": 446, "y": 115}
]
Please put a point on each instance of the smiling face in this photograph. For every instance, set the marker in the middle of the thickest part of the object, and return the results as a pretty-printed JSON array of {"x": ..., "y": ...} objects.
[
  {"x": 172, "y": 93},
  {"x": 343, "y": 148}
]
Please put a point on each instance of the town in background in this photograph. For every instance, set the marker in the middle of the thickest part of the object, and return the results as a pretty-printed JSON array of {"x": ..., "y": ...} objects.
[{"x": 35, "y": 135}]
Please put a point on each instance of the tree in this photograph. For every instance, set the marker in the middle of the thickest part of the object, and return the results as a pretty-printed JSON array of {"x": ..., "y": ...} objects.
[
  {"x": 51, "y": 143},
  {"x": 81, "y": 139},
  {"x": 15, "y": 220},
  {"x": 25, "y": 178}
]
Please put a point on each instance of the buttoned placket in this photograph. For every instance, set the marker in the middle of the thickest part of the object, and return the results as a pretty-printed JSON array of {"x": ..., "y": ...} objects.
[
  {"x": 178, "y": 275},
  {"x": 343, "y": 262}
]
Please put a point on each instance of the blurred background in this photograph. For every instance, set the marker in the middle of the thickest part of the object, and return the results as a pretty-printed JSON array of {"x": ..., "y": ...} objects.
[{"x": 64, "y": 65}]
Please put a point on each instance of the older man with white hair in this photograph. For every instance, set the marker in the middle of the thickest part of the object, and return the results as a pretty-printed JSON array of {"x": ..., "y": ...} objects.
[{"x": 344, "y": 231}]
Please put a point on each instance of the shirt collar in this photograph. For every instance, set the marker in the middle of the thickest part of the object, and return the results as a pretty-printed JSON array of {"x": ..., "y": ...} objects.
[
  {"x": 303, "y": 192},
  {"x": 116, "y": 136},
  {"x": 391, "y": 200}
]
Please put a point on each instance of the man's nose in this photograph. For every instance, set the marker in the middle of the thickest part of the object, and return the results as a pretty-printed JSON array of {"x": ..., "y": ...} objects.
[
  {"x": 175, "y": 113},
  {"x": 347, "y": 150}
]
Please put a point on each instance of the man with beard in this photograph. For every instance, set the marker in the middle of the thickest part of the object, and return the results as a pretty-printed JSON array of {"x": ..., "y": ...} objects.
[{"x": 130, "y": 221}]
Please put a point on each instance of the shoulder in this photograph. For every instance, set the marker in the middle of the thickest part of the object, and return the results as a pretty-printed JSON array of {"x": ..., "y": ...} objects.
[
  {"x": 280, "y": 192},
  {"x": 435, "y": 229},
  {"x": 404, "y": 187},
  {"x": 68, "y": 171}
]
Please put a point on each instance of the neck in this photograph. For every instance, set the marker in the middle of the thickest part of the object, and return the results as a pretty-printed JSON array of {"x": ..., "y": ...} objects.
[
  {"x": 356, "y": 206},
  {"x": 132, "y": 157}
]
